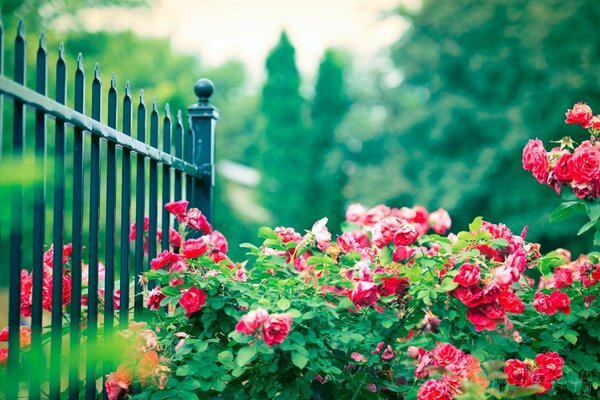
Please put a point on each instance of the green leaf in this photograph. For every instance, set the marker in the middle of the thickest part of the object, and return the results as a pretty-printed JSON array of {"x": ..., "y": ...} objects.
[
  {"x": 592, "y": 209},
  {"x": 597, "y": 238},
  {"x": 219, "y": 386},
  {"x": 299, "y": 360},
  {"x": 499, "y": 243},
  {"x": 190, "y": 384},
  {"x": 387, "y": 323},
  {"x": 571, "y": 338},
  {"x": 564, "y": 211},
  {"x": 386, "y": 255},
  {"x": 164, "y": 394},
  {"x": 245, "y": 355},
  {"x": 187, "y": 395},
  {"x": 185, "y": 370},
  {"x": 476, "y": 224},
  {"x": 589, "y": 225},
  {"x": 448, "y": 284},
  {"x": 283, "y": 304},
  {"x": 225, "y": 357},
  {"x": 237, "y": 372},
  {"x": 266, "y": 233}
]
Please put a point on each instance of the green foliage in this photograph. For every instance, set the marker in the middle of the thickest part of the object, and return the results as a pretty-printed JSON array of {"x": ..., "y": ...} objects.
[
  {"x": 480, "y": 79},
  {"x": 285, "y": 151}
]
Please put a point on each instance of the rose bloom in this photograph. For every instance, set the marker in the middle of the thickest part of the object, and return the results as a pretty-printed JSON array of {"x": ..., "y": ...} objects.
[
  {"x": 511, "y": 302},
  {"x": 440, "y": 221},
  {"x": 434, "y": 389},
  {"x": 174, "y": 238},
  {"x": 117, "y": 383},
  {"x": 192, "y": 300},
  {"x": 403, "y": 253},
  {"x": 252, "y": 321},
  {"x": 393, "y": 285},
  {"x": 147, "y": 365},
  {"x": 551, "y": 363},
  {"x": 355, "y": 213},
  {"x": 563, "y": 277},
  {"x": 358, "y": 357},
  {"x": 376, "y": 214},
  {"x": 542, "y": 303},
  {"x": 561, "y": 302},
  {"x": 580, "y": 114},
  {"x": 321, "y": 233},
  {"x": 405, "y": 235},
  {"x": 364, "y": 294},
  {"x": 219, "y": 242},
  {"x": 177, "y": 208},
  {"x": 163, "y": 260},
  {"x": 562, "y": 168},
  {"x": 276, "y": 328},
  {"x": 154, "y": 298},
  {"x": 517, "y": 373},
  {"x": 288, "y": 234},
  {"x": 594, "y": 124},
  {"x": 446, "y": 354},
  {"x": 468, "y": 275},
  {"x": 585, "y": 164},
  {"x": 388, "y": 353},
  {"x": 486, "y": 316},
  {"x": 535, "y": 159},
  {"x": 193, "y": 248},
  {"x": 3, "y": 356},
  {"x": 196, "y": 220}
]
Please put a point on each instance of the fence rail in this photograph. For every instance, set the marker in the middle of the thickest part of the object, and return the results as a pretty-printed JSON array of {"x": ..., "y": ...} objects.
[{"x": 147, "y": 176}]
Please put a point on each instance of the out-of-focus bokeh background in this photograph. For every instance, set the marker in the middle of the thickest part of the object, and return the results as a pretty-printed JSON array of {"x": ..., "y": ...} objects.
[{"x": 330, "y": 102}]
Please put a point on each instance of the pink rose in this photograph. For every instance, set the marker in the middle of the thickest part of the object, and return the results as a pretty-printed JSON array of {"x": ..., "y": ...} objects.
[
  {"x": 434, "y": 389},
  {"x": 174, "y": 238},
  {"x": 376, "y": 214},
  {"x": 535, "y": 159},
  {"x": 321, "y": 233},
  {"x": 193, "y": 248},
  {"x": 580, "y": 114},
  {"x": 405, "y": 235},
  {"x": 388, "y": 353},
  {"x": 219, "y": 242},
  {"x": 163, "y": 260},
  {"x": 276, "y": 328},
  {"x": 562, "y": 168},
  {"x": 542, "y": 303},
  {"x": 154, "y": 298},
  {"x": 196, "y": 220},
  {"x": 358, "y": 357},
  {"x": 440, "y": 221},
  {"x": 252, "y": 321},
  {"x": 585, "y": 164},
  {"x": 117, "y": 383},
  {"x": 192, "y": 300},
  {"x": 177, "y": 208},
  {"x": 468, "y": 275},
  {"x": 364, "y": 294},
  {"x": 446, "y": 354},
  {"x": 356, "y": 213}
]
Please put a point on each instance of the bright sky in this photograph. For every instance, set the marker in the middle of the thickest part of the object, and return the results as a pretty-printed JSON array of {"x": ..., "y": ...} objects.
[{"x": 219, "y": 30}]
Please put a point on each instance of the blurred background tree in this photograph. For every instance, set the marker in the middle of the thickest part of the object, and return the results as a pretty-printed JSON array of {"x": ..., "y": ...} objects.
[{"x": 479, "y": 80}]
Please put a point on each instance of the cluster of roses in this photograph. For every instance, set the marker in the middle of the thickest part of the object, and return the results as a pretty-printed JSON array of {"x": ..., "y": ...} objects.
[
  {"x": 212, "y": 244},
  {"x": 456, "y": 366},
  {"x": 24, "y": 342},
  {"x": 579, "y": 170},
  {"x": 489, "y": 297},
  {"x": 582, "y": 270},
  {"x": 142, "y": 362},
  {"x": 274, "y": 327},
  {"x": 542, "y": 371}
]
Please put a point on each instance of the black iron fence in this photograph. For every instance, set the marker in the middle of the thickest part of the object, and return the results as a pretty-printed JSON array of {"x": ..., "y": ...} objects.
[{"x": 108, "y": 175}]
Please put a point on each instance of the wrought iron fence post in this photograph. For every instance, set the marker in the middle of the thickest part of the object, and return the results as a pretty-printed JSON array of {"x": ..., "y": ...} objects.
[{"x": 203, "y": 119}]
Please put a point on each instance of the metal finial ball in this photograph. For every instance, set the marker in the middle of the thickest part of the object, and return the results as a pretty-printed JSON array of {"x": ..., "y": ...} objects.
[{"x": 204, "y": 88}]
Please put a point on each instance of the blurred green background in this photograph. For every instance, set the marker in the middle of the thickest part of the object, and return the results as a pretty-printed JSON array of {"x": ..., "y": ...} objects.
[{"x": 440, "y": 123}]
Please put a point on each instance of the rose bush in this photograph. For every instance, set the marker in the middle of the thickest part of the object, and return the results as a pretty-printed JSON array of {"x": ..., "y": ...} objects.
[{"x": 388, "y": 309}]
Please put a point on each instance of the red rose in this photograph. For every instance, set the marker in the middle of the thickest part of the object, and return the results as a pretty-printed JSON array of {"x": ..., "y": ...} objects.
[
  {"x": 517, "y": 373},
  {"x": 446, "y": 354},
  {"x": 393, "y": 285},
  {"x": 581, "y": 114},
  {"x": 470, "y": 297},
  {"x": 434, "y": 389},
  {"x": 561, "y": 302},
  {"x": 594, "y": 124},
  {"x": 542, "y": 303},
  {"x": 539, "y": 377},
  {"x": 405, "y": 235},
  {"x": 562, "y": 168},
  {"x": 174, "y": 238},
  {"x": 585, "y": 164},
  {"x": 163, "y": 260},
  {"x": 486, "y": 316},
  {"x": 468, "y": 275},
  {"x": 511, "y": 302},
  {"x": 563, "y": 277},
  {"x": 219, "y": 242},
  {"x": 193, "y": 248},
  {"x": 276, "y": 328},
  {"x": 4, "y": 335},
  {"x": 196, "y": 220},
  {"x": 252, "y": 321},
  {"x": 192, "y": 300},
  {"x": 3, "y": 355},
  {"x": 154, "y": 298},
  {"x": 535, "y": 159},
  {"x": 551, "y": 363},
  {"x": 177, "y": 208},
  {"x": 364, "y": 294}
]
